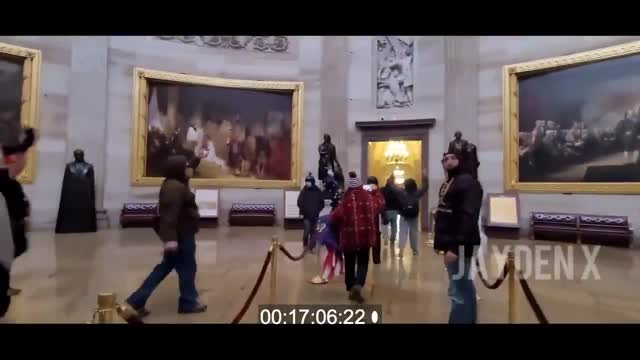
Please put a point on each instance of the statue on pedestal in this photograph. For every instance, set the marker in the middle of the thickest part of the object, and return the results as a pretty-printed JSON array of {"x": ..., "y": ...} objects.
[
  {"x": 329, "y": 162},
  {"x": 467, "y": 153},
  {"x": 77, "y": 211}
]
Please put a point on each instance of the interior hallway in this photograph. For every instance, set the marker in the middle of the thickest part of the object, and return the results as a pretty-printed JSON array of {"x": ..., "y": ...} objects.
[{"x": 61, "y": 276}]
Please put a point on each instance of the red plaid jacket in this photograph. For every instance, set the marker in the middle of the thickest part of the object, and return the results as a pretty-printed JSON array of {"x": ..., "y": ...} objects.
[{"x": 356, "y": 217}]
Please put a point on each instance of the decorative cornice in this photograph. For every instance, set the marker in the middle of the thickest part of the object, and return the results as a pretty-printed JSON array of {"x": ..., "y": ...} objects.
[
  {"x": 277, "y": 44},
  {"x": 385, "y": 124}
]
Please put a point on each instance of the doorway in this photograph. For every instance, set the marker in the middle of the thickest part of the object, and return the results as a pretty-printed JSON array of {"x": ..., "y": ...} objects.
[{"x": 383, "y": 147}]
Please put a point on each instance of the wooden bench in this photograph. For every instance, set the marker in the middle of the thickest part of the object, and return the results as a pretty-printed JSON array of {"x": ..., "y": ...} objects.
[
  {"x": 609, "y": 230},
  {"x": 252, "y": 215}
]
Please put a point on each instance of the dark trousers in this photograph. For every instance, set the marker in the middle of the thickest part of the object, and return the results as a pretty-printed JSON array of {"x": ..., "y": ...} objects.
[
  {"x": 183, "y": 261},
  {"x": 375, "y": 250},
  {"x": 356, "y": 265},
  {"x": 309, "y": 230},
  {"x": 5, "y": 299}
]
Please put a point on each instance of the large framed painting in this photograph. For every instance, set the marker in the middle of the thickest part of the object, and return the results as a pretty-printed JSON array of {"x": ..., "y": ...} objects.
[
  {"x": 572, "y": 123},
  {"x": 235, "y": 133},
  {"x": 19, "y": 98}
]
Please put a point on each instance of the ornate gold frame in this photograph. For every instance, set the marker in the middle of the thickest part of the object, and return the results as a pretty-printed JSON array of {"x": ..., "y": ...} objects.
[
  {"x": 30, "y": 110},
  {"x": 139, "y": 133},
  {"x": 510, "y": 121}
]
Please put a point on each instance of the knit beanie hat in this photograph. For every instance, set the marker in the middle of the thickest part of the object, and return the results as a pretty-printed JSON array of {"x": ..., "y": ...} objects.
[{"x": 354, "y": 180}]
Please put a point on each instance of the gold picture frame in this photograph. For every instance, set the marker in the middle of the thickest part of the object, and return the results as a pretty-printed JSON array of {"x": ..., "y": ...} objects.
[
  {"x": 511, "y": 75},
  {"x": 30, "y": 107},
  {"x": 141, "y": 80}
]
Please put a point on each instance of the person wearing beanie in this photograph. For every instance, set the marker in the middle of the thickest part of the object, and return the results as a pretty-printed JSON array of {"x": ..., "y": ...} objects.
[
  {"x": 356, "y": 216},
  {"x": 310, "y": 203},
  {"x": 457, "y": 235}
]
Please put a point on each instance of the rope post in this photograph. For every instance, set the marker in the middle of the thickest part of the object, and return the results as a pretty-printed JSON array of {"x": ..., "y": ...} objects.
[
  {"x": 275, "y": 244},
  {"x": 511, "y": 265},
  {"x": 106, "y": 307}
]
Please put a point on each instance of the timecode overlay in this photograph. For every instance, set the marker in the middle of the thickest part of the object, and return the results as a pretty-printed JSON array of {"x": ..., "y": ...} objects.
[{"x": 320, "y": 314}]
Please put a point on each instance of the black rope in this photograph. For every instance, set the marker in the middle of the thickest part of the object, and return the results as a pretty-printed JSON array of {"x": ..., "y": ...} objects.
[
  {"x": 499, "y": 281},
  {"x": 291, "y": 257},
  {"x": 254, "y": 291},
  {"x": 537, "y": 310}
]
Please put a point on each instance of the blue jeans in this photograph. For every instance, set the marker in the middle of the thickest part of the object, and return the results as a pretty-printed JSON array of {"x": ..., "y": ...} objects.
[
  {"x": 409, "y": 228},
  {"x": 392, "y": 217},
  {"x": 184, "y": 262},
  {"x": 462, "y": 292}
]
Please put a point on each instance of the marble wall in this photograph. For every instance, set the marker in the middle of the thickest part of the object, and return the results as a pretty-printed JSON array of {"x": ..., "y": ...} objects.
[{"x": 86, "y": 101}]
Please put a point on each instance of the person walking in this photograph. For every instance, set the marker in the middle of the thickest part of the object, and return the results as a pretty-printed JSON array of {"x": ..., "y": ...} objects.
[
  {"x": 390, "y": 212},
  {"x": 310, "y": 203},
  {"x": 409, "y": 200},
  {"x": 6, "y": 256},
  {"x": 372, "y": 184},
  {"x": 177, "y": 224},
  {"x": 355, "y": 217},
  {"x": 457, "y": 234},
  {"x": 14, "y": 160}
]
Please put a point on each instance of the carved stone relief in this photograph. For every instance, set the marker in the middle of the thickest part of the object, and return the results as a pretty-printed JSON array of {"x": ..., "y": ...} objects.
[{"x": 278, "y": 44}]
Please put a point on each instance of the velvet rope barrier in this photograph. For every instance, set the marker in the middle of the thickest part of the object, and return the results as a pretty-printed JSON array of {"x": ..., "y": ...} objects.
[
  {"x": 537, "y": 310},
  {"x": 254, "y": 291},
  {"x": 499, "y": 281},
  {"x": 291, "y": 257}
]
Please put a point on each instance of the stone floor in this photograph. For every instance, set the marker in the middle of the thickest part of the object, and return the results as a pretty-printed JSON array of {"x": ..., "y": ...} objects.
[{"x": 61, "y": 276}]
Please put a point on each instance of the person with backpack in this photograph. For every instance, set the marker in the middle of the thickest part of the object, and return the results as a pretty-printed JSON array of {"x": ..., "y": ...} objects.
[{"x": 409, "y": 200}]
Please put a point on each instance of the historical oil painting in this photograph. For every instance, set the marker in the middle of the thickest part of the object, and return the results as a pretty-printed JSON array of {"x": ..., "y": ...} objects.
[
  {"x": 394, "y": 72},
  {"x": 236, "y": 133},
  {"x": 573, "y": 123},
  {"x": 19, "y": 84}
]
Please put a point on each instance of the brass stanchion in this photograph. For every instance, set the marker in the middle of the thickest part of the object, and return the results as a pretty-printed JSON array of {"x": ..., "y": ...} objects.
[
  {"x": 106, "y": 307},
  {"x": 511, "y": 264},
  {"x": 275, "y": 246}
]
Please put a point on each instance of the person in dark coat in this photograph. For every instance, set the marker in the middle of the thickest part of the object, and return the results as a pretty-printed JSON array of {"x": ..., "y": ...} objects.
[
  {"x": 6, "y": 256},
  {"x": 390, "y": 212},
  {"x": 177, "y": 225},
  {"x": 457, "y": 234},
  {"x": 310, "y": 203},
  {"x": 17, "y": 203},
  {"x": 372, "y": 184}
]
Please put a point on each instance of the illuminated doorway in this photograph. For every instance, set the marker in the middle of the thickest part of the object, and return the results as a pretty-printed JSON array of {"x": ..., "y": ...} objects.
[
  {"x": 401, "y": 158},
  {"x": 414, "y": 134}
]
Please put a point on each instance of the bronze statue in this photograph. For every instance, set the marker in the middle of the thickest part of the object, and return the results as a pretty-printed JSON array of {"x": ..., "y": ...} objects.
[
  {"x": 467, "y": 153},
  {"x": 77, "y": 211},
  {"x": 329, "y": 161}
]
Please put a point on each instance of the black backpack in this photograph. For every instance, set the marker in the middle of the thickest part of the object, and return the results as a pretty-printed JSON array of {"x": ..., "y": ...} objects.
[{"x": 410, "y": 207}]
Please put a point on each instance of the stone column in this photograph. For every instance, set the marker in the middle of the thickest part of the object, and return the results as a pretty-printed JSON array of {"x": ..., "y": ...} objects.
[
  {"x": 461, "y": 88},
  {"x": 87, "y": 121}
]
